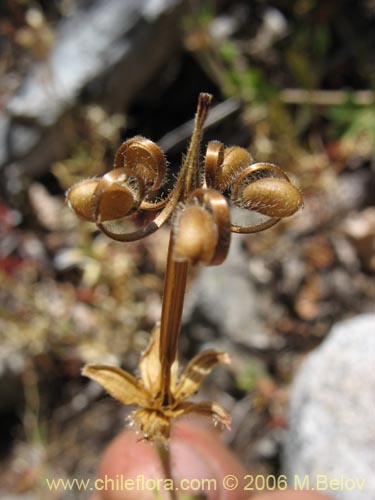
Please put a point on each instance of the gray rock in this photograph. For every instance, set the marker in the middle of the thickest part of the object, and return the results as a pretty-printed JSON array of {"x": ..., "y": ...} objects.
[
  {"x": 110, "y": 49},
  {"x": 88, "y": 44},
  {"x": 332, "y": 422},
  {"x": 225, "y": 297}
]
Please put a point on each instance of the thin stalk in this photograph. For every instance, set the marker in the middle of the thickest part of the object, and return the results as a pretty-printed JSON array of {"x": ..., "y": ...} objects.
[
  {"x": 176, "y": 272},
  {"x": 173, "y": 301},
  {"x": 165, "y": 459},
  {"x": 190, "y": 166}
]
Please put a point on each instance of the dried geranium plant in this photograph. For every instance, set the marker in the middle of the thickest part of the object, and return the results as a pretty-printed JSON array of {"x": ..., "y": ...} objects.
[{"x": 125, "y": 204}]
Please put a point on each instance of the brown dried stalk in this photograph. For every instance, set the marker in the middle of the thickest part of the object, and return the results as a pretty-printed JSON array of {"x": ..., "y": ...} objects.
[{"x": 200, "y": 233}]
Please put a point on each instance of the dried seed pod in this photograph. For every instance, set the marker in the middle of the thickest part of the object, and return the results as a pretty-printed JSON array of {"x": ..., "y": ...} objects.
[
  {"x": 272, "y": 197},
  {"x": 195, "y": 235},
  {"x": 235, "y": 160},
  {"x": 142, "y": 158},
  {"x": 116, "y": 202},
  {"x": 115, "y": 196},
  {"x": 202, "y": 228},
  {"x": 79, "y": 198},
  {"x": 105, "y": 199},
  {"x": 266, "y": 189}
]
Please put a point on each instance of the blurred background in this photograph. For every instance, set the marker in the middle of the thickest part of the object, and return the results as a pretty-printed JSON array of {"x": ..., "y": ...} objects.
[{"x": 294, "y": 83}]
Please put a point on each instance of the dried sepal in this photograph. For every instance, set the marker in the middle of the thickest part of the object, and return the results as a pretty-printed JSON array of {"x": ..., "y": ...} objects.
[
  {"x": 150, "y": 366},
  {"x": 197, "y": 370},
  {"x": 209, "y": 409},
  {"x": 150, "y": 363},
  {"x": 153, "y": 418},
  {"x": 144, "y": 159},
  {"x": 120, "y": 384},
  {"x": 156, "y": 425}
]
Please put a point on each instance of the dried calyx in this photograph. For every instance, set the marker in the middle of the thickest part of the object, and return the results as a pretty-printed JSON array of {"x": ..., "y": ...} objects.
[
  {"x": 153, "y": 418},
  {"x": 201, "y": 229}
]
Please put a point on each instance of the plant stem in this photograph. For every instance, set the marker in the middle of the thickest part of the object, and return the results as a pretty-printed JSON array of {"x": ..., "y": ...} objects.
[
  {"x": 327, "y": 97},
  {"x": 176, "y": 272},
  {"x": 165, "y": 459},
  {"x": 190, "y": 166},
  {"x": 173, "y": 301}
]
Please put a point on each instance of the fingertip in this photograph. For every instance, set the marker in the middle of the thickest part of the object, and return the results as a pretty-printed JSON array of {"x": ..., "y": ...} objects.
[{"x": 197, "y": 454}]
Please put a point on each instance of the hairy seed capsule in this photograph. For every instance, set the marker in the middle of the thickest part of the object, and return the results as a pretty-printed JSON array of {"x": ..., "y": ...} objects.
[
  {"x": 115, "y": 202},
  {"x": 79, "y": 198},
  {"x": 272, "y": 197},
  {"x": 143, "y": 158},
  {"x": 195, "y": 235},
  {"x": 235, "y": 160}
]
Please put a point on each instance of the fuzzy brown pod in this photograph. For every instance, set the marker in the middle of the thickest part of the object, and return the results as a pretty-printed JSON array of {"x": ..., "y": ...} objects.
[
  {"x": 222, "y": 166},
  {"x": 144, "y": 159},
  {"x": 272, "y": 197},
  {"x": 104, "y": 199},
  {"x": 79, "y": 198},
  {"x": 195, "y": 235},
  {"x": 116, "y": 196},
  {"x": 201, "y": 229},
  {"x": 235, "y": 160}
]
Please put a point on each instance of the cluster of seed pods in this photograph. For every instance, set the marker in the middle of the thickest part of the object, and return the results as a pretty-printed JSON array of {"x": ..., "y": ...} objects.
[{"x": 127, "y": 203}]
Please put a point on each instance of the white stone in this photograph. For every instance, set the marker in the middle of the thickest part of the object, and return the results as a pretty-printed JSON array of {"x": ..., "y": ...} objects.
[{"x": 332, "y": 413}]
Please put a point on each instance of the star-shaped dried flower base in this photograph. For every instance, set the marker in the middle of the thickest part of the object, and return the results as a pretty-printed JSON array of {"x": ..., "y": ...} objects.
[{"x": 153, "y": 418}]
